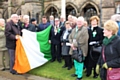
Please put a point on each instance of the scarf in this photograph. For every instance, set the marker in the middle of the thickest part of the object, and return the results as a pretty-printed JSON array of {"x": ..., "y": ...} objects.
[{"x": 106, "y": 40}]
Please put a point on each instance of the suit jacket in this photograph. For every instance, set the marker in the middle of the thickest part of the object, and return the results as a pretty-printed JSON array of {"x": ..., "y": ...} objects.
[
  {"x": 55, "y": 39},
  {"x": 11, "y": 30}
]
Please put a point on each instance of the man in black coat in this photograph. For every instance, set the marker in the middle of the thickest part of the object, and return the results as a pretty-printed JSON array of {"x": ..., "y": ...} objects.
[
  {"x": 55, "y": 35},
  {"x": 12, "y": 32}
]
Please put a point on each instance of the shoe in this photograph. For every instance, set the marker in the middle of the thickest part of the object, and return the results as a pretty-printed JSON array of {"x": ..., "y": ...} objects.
[
  {"x": 96, "y": 76},
  {"x": 64, "y": 66},
  {"x": 87, "y": 75},
  {"x": 18, "y": 74},
  {"x": 59, "y": 61},
  {"x": 79, "y": 78},
  {"x": 52, "y": 60},
  {"x": 69, "y": 68},
  {"x": 3, "y": 69},
  {"x": 74, "y": 75}
]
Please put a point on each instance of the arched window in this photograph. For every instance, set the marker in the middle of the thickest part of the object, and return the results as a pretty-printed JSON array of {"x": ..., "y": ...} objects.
[
  {"x": 88, "y": 12},
  {"x": 70, "y": 10},
  {"x": 52, "y": 11}
]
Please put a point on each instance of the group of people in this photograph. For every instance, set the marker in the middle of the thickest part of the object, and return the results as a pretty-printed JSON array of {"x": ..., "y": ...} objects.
[{"x": 66, "y": 36}]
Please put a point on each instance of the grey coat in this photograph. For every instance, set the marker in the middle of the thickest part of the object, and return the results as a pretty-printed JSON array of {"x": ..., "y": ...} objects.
[
  {"x": 2, "y": 41},
  {"x": 65, "y": 49},
  {"x": 81, "y": 38}
]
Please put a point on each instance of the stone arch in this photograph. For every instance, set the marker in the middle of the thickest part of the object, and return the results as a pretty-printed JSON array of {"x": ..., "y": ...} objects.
[
  {"x": 52, "y": 6},
  {"x": 92, "y": 3},
  {"x": 73, "y": 5}
]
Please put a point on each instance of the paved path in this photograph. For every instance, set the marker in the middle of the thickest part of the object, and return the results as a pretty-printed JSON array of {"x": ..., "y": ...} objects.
[{"x": 5, "y": 75}]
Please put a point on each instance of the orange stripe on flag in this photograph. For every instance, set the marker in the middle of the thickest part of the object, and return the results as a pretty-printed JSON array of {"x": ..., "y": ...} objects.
[{"x": 21, "y": 61}]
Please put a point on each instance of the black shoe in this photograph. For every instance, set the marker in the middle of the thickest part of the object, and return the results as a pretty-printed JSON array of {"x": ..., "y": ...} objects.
[
  {"x": 78, "y": 78},
  {"x": 69, "y": 68},
  {"x": 59, "y": 61},
  {"x": 96, "y": 76},
  {"x": 3, "y": 69},
  {"x": 52, "y": 60},
  {"x": 74, "y": 75},
  {"x": 64, "y": 66},
  {"x": 87, "y": 75}
]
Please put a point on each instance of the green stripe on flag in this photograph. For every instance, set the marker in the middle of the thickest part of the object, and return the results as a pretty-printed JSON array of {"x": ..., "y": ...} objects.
[{"x": 42, "y": 38}]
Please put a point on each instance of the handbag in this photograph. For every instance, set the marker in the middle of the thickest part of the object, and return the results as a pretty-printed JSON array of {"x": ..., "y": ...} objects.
[
  {"x": 97, "y": 49},
  {"x": 78, "y": 54},
  {"x": 112, "y": 73}
]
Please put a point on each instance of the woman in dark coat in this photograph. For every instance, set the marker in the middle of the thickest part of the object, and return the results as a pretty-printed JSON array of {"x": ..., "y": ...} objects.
[
  {"x": 65, "y": 47},
  {"x": 111, "y": 47},
  {"x": 95, "y": 36}
]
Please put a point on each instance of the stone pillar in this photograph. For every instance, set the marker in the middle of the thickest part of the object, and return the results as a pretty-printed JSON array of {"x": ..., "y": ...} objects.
[{"x": 63, "y": 8}]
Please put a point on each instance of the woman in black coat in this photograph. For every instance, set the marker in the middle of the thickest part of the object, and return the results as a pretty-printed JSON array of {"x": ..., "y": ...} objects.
[
  {"x": 65, "y": 47},
  {"x": 95, "y": 36},
  {"x": 111, "y": 48}
]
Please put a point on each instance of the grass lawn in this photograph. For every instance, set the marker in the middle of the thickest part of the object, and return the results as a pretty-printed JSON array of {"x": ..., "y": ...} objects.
[{"x": 55, "y": 71}]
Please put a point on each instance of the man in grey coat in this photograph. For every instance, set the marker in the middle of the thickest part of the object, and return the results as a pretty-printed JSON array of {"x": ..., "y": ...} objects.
[{"x": 4, "y": 57}]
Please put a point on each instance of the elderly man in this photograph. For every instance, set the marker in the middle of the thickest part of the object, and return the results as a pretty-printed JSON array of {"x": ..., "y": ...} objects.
[
  {"x": 51, "y": 19},
  {"x": 79, "y": 39},
  {"x": 27, "y": 25},
  {"x": 12, "y": 32},
  {"x": 4, "y": 57}
]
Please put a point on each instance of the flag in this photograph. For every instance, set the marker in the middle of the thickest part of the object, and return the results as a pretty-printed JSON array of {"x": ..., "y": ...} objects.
[{"x": 32, "y": 50}]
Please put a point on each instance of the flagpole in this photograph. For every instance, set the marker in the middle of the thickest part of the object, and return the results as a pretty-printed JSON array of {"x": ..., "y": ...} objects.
[{"x": 63, "y": 8}]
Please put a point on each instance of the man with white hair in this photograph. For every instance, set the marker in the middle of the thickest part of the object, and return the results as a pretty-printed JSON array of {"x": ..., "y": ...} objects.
[
  {"x": 12, "y": 32},
  {"x": 4, "y": 57},
  {"x": 51, "y": 19},
  {"x": 79, "y": 39},
  {"x": 27, "y": 25}
]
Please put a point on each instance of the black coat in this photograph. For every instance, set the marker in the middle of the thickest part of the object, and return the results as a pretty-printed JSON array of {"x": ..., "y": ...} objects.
[
  {"x": 30, "y": 27},
  {"x": 11, "y": 30},
  {"x": 65, "y": 49},
  {"x": 56, "y": 39},
  {"x": 92, "y": 57},
  {"x": 112, "y": 56}
]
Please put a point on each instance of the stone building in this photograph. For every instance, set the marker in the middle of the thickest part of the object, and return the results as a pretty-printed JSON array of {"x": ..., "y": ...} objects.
[{"x": 36, "y": 8}]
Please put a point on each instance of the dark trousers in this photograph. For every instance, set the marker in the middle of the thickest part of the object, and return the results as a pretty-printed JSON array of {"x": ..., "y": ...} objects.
[
  {"x": 56, "y": 51},
  {"x": 89, "y": 70},
  {"x": 68, "y": 60},
  {"x": 12, "y": 59}
]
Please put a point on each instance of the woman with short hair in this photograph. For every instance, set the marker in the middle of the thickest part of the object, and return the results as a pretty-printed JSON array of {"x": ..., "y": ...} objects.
[
  {"x": 95, "y": 38},
  {"x": 111, "y": 49}
]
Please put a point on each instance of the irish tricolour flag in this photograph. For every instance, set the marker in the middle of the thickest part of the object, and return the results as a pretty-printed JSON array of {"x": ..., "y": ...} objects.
[{"x": 32, "y": 50}]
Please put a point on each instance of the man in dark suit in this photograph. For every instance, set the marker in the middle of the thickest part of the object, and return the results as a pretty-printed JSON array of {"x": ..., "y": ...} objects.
[{"x": 55, "y": 36}]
